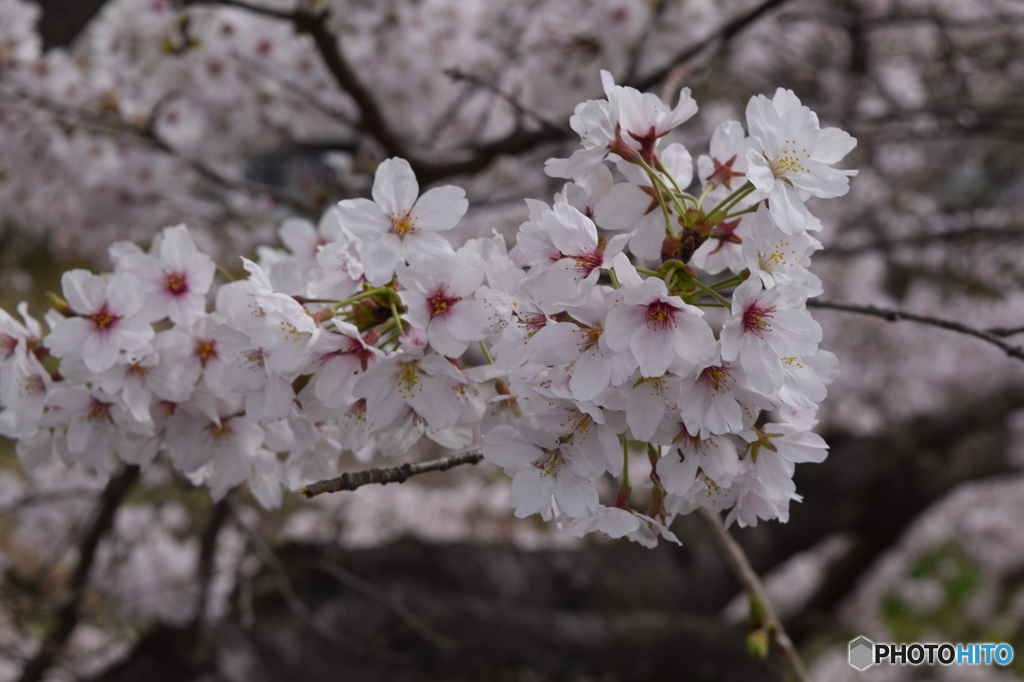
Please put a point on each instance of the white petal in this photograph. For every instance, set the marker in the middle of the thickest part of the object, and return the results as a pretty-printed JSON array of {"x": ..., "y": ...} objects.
[
  {"x": 394, "y": 187},
  {"x": 440, "y": 208}
]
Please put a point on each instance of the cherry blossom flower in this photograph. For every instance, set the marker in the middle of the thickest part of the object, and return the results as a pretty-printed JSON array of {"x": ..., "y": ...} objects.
[
  {"x": 12, "y": 332},
  {"x": 592, "y": 366},
  {"x": 791, "y": 153},
  {"x": 439, "y": 295},
  {"x": 715, "y": 456},
  {"x": 175, "y": 276},
  {"x": 717, "y": 399},
  {"x": 777, "y": 257},
  {"x": 341, "y": 356},
  {"x": 542, "y": 469},
  {"x": 634, "y": 120},
  {"x": 767, "y": 325},
  {"x": 426, "y": 383},
  {"x": 658, "y": 328},
  {"x": 396, "y": 225},
  {"x": 563, "y": 248},
  {"x": 105, "y": 321}
]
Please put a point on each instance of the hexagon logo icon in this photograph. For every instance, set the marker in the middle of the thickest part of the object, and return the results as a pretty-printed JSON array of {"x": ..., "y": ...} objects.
[{"x": 862, "y": 653}]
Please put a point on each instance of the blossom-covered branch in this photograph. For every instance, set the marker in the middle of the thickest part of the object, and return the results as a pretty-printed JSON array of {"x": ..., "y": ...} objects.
[
  {"x": 356, "y": 479},
  {"x": 891, "y": 315},
  {"x": 361, "y": 336}
]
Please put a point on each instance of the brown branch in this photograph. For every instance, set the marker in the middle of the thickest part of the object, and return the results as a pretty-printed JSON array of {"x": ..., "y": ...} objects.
[
  {"x": 370, "y": 590},
  {"x": 897, "y": 315},
  {"x": 637, "y": 51},
  {"x": 1004, "y": 331},
  {"x": 752, "y": 585},
  {"x": 457, "y": 74},
  {"x": 373, "y": 122},
  {"x": 384, "y": 475},
  {"x": 62, "y": 21},
  {"x": 68, "y": 615},
  {"x": 206, "y": 563},
  {"x": 721, "y": 36}
]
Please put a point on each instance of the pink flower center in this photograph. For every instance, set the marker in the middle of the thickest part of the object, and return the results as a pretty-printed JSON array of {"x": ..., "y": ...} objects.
[
  {"x": 588, "y": 261},
  {"x": 755, "y": 319},
  {"x": 533, "y": 322},
  {"x": 717, "y": 378},
  {"x": 139, "y": 370},
  {"x": 356, "y": 349},
  {"x": 176, "y": 283},
  {"x": 7, "y": 344},
  {"x": 403, "y": 224},
  {"x": 103, "y": 319},
  {"x": 440, "y": 301},
  {"x": 32, "y": 385},
  {"x": 684, "y": 443},
  {"x": 206, "y": 349},
  {"x": 98, "y": 410},
  {"x": 660, "y": 316},
  {"x": 647, "y": 141},
  {"x": 548, "y": 462},
  {"x": 220, "y": 431}
]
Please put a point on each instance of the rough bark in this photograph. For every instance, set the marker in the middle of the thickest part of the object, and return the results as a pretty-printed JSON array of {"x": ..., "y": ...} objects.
[{"x": 64, "y": 20}]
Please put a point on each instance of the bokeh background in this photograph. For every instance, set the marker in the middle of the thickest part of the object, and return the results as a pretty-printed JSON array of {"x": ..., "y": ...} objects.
[{"x": 120, "y": 117}]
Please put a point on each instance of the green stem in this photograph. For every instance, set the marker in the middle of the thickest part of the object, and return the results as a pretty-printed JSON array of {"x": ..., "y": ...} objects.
[
  {"x": 394, "y": 314},
  {"x": 625, "y": 489},
  {"x": 615, "y": 280},
  {"x": 679, "y": 192},
  {"x": 361, "y": 295},
  {"x": 704, "y": 195},
  {"x": 652, "y": 273},
  {"x": 227, "y": 275},
  {"x": 739, "y": 213},
  {"x": 731, "y": 200},
  {"x": 664, "y": 210},
  {"x": 732, "y": 281},
  {"x": 712, "y": 293},
  {"x": 487, "y": 352},
  {"x": 658, "y": 181},
  {"x": 653, "y": 455}
]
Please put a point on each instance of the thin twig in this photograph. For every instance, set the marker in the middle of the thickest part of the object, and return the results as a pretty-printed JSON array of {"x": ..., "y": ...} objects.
[
  {"x": 67, "y": 615},
  {"x": 284, "y": 585},
  {"x": 897, "y": 315},
  {"x": 384, "y": 475},
  {"x": 360, "y": 584},
  {"x": 457, "y": 74},
  {"x": 1005, "y": 331},
  {"x": 752, "y": 585}
]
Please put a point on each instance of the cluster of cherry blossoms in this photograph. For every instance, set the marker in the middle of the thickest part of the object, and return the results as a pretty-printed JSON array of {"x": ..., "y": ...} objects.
[
  {"x": 631, "y": 320},
  {"x": 157, "y": 97}
]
